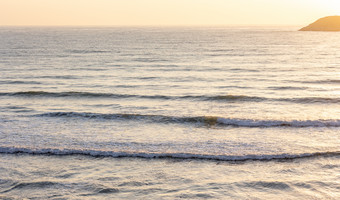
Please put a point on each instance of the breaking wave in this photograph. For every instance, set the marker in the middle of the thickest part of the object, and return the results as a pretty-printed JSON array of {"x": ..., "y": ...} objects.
[
  {"x": 221, "y": 98},
  {"x": 99, "y": 153},
  {"x": 204, "y": 120},
  {"x": 122, "y": 96}
]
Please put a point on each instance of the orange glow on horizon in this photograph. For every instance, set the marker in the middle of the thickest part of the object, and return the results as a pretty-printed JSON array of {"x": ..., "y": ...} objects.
[{"x": 165, "y": 12}]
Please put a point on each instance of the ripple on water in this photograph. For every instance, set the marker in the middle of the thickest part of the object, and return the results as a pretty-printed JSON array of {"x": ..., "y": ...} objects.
[
  {"x": 277, "y": 185},
  {"x": 33, "y": 185}
]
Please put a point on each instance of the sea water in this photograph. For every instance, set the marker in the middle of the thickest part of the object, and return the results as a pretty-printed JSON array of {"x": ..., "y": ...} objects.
[{"x": 169, "y": 113}]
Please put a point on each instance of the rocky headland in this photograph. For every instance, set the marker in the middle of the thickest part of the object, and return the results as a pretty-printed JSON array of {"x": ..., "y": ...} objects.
[{"x": 330, "y": 23}]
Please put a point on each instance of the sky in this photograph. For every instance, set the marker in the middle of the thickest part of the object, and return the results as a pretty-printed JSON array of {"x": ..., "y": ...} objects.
[{"x": 164, "y": 12}]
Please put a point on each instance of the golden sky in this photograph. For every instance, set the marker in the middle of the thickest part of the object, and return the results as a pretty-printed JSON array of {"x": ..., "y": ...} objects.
[{"x": 164, "y": 12}]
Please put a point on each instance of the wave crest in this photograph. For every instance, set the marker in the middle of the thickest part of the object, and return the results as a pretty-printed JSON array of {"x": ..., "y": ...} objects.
[
  {"x": 220, "y": 98},
  {"x": 205, "y": 120},
  {"x": 99, "y": 153},
  {"x": 123, "y": 96}
]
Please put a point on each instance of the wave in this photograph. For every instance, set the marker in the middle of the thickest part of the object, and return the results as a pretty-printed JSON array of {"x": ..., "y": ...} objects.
[
  {"x": 21, "y": 82},
  {"x": 307, "y": 100},
  {"x": 279, "y": 123},
  {"x": 82, "y": 51},
  {"x": 58, "y": 77},
  {"x": 99, "y": 153},
  {"x": 221, "y": 98},
  {"x": 111, "y": 95},
  {"x": 65, "y": 94},
  {"x": 287, "y": 88},
  {"x": 327, "y": 81},
  {"x": 150, "y": 118},
  {"x": 204, "y": 120},
  {"x": 232, "y": 98}
]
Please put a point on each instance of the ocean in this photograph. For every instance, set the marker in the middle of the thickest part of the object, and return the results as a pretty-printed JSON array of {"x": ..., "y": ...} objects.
[{"x": 169, "y": 113}]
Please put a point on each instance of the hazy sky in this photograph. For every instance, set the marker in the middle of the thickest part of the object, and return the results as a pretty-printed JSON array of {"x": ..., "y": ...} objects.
[{"x": 165, "y": 12}]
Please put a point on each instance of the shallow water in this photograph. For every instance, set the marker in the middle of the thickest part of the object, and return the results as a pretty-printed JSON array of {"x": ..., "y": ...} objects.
[
  {"x": 166, "y": 113},
  {"x": 79, "y": 177}
]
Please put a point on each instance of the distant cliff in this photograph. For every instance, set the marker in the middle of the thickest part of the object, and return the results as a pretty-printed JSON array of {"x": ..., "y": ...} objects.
[{"x": 331, "y": 23}]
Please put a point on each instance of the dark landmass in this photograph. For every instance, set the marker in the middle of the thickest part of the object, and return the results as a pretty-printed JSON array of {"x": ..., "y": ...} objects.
[{"x": 331, "y": 23}]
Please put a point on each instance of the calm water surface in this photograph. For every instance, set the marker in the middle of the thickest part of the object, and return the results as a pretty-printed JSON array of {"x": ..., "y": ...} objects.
[{"x": 169, "y": 113}]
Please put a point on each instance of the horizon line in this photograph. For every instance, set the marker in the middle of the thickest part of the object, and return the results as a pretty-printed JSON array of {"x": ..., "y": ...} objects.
[{"x": 156, "y": 25}]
